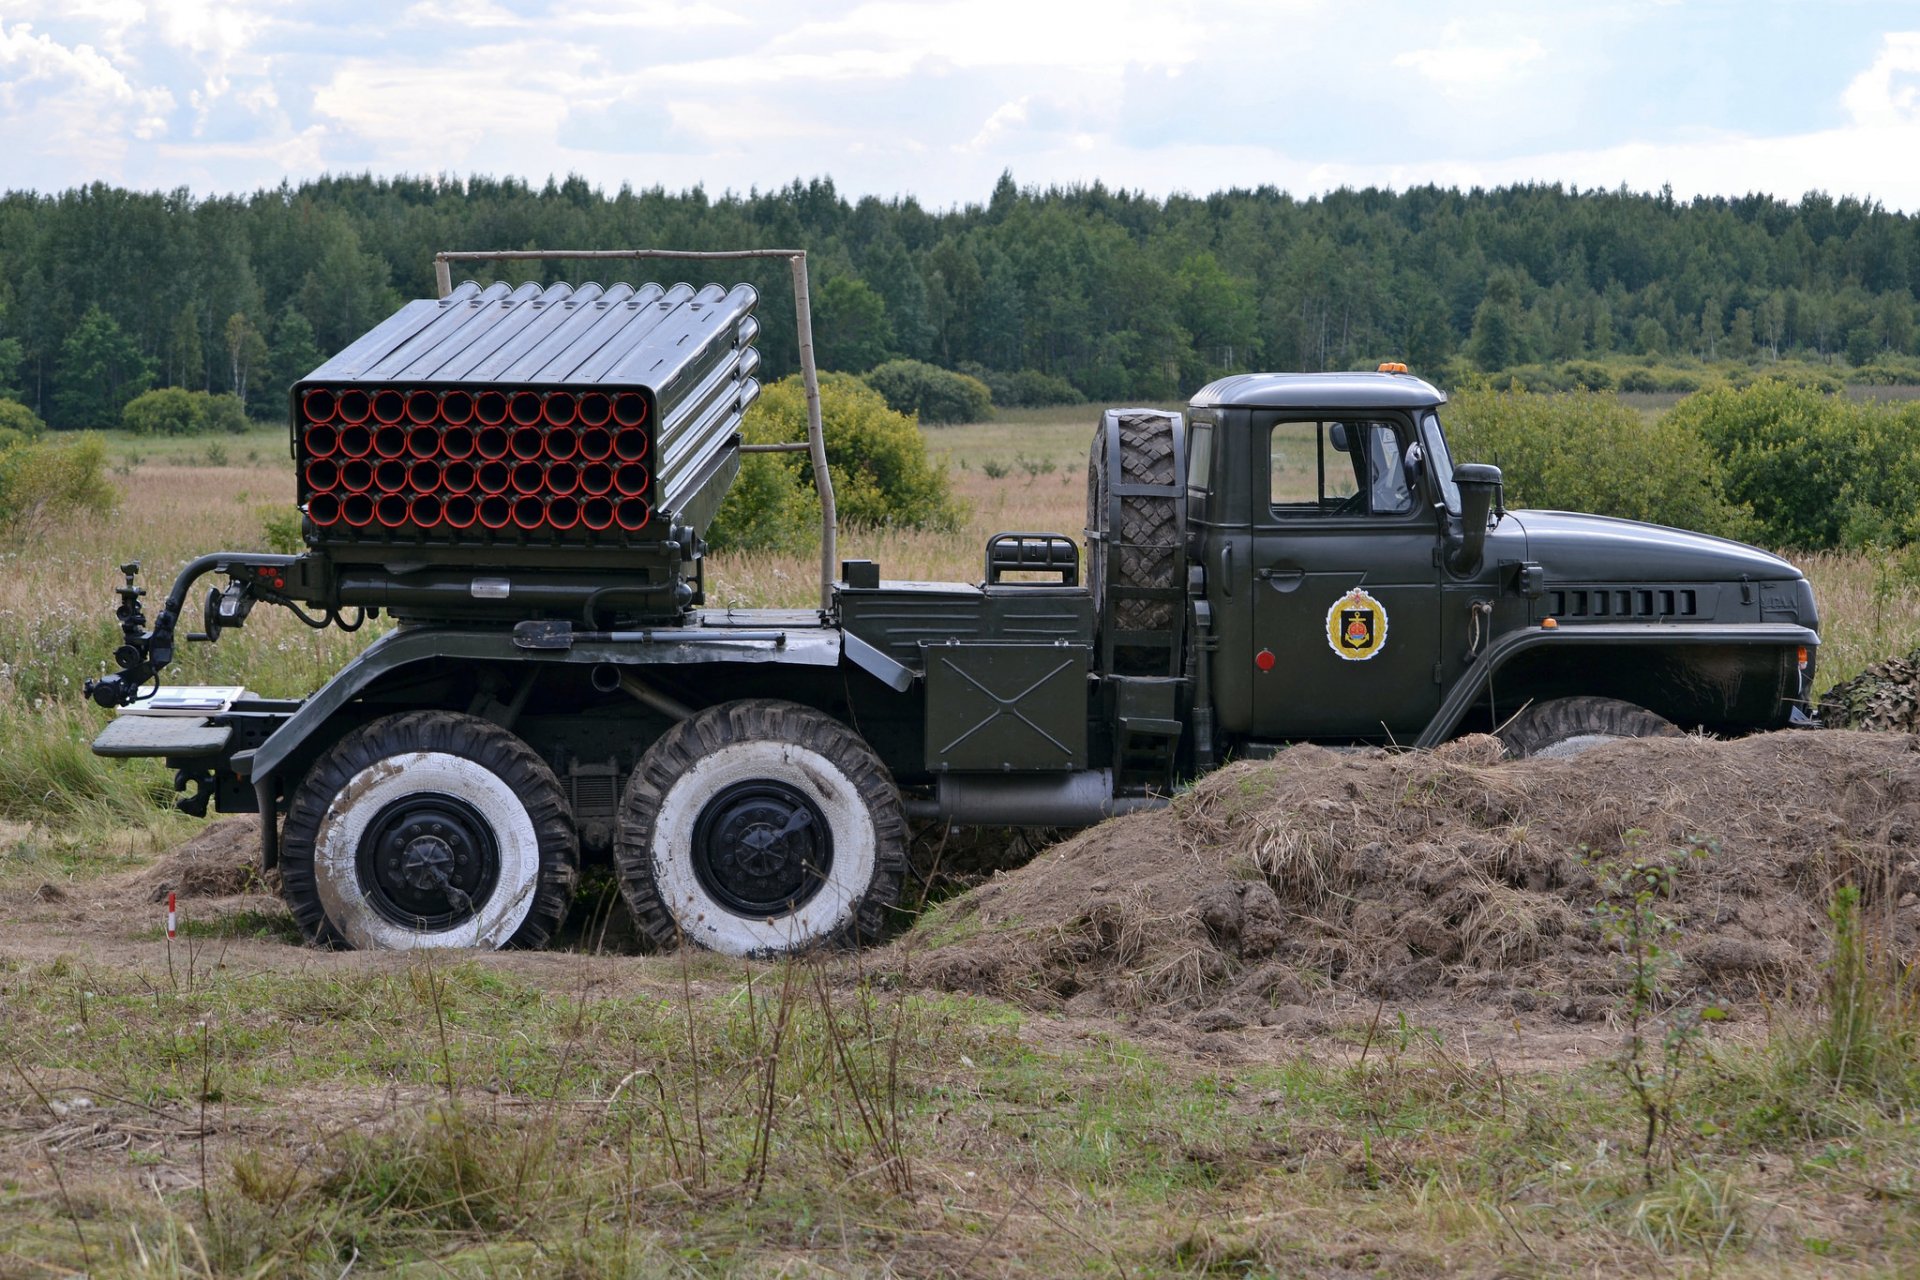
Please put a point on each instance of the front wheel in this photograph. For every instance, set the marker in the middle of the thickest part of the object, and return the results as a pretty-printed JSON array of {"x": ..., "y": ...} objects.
[
  {"x": 429, "y": 829},
  {"x": 760, "y": 828},
  {"x": 1562, "y": 727}
]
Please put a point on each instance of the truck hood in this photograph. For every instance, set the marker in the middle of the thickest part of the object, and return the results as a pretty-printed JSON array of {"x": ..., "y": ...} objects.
[{"x": 1585, "y": 548}]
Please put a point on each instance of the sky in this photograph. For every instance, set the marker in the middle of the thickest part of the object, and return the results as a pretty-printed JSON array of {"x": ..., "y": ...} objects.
[{"x": 935, "y": 100}]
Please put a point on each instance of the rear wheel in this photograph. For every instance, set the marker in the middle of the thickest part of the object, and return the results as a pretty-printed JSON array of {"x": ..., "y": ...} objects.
[
  {"x": 1137, "y": 545},
  {"x": 760, "y": 828},
  {"x": 1567, "y": 726},
  {"x": 429, "y": 829}
]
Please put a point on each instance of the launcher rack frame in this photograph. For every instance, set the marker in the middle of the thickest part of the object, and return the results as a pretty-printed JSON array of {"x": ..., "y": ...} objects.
[{"x": 814, "y": 445}]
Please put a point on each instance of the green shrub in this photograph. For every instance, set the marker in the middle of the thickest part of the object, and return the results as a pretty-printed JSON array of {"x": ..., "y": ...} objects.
[
  {"x": 18, "y": 423},
  {"x": 1027, "y": 389},
  {"x": 937, "y": 395},
  {"x": 1584, "y": 451},
  {"x": 1816, "y": 470},
  {"x": 881, "y": 472},
  {"x": 175, "y": 411},
  {"x": 40, "y": 483}
]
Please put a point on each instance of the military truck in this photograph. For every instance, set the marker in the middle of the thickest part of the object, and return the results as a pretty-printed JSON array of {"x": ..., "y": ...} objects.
[{"x": 522, "y": 479}]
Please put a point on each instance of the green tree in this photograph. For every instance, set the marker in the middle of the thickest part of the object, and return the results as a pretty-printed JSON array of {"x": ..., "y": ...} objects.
[
  {"x": 99, "y": 370},
  {"x": 246, "y": 351},
  {"x": 290, "y": 357},
  {"x": 1495, "y": 343},
  {"x": 12, "y": 354},
  {"x": 850, "y": 328},
  {"x": 186, "y": 357}
]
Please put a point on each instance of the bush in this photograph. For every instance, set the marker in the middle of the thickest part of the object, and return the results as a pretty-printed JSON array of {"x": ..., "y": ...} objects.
[
  {"x": 40, "y": 483},
  {"x": 881, "y": 472},
  {"x": 18, "y": 424},
  {"x": 937, "y": 395},
  {"x": 1027, "y": 389},
  {"x": 1817, "y": 470},
  {"x": 1584, "y": 451},
  {"x": 175, "y": 411}
]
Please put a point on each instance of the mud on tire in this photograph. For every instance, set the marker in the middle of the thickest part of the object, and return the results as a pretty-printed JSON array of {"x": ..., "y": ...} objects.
[
  {"x": 1567, "y": 726},
  {"x": 760, "y": 827},
  {"x": 429, "y": 829}
]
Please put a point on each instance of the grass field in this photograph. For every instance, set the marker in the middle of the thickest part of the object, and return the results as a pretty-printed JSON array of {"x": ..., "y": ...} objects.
[{"x": 230, "y": 1104}]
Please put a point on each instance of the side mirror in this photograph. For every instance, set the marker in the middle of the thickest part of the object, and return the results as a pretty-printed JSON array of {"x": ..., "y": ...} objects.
[
  {"x": 1337, "y": 437},
  {"x": 1479, "y": 485}
]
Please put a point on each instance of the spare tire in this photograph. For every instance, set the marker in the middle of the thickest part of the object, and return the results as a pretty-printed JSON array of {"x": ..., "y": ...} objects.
[
  {"x": 1567, "y": 726},
  {"x": 1137, "y": 544}
]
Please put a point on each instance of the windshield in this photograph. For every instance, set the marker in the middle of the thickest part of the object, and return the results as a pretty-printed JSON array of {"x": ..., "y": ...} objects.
[{"x": 1441, "y": 460}]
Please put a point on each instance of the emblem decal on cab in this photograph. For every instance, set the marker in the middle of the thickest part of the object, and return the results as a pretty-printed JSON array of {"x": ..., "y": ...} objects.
[{"x": 1357, "y": 626}]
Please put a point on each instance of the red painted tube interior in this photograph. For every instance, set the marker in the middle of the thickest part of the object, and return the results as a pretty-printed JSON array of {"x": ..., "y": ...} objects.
[
  {"x": 422, "y": 407},
  {"x": 423, "y": 442},
  {"x": 524, "y": 408},
  {"x": 321, "y": 441},
  {"x": 560, "y": 408},
  {"x": 496, "y": 512},
  {"x": 596, "y": 444},
  {"x": 355, "y": 406},
  {"x": 597, "y": 513},
  {"x": 630, "y": 446},
  {"x": 389, "y": 405},
  {"x": 391, "y": 510},
  {"x": 490, "y": 407},
  {"x": 356, "y": 474},
  {"x": 323, "y": 509},
  {"x": 356, "y": 441},
  {"x": 319, "y": 404},
  {"x": 460, "y": 511},
  {"x": 596, "y": 477},
  {"x": 562, "y": 443},
  {"x": 390, "y": 475},
  {"x": 491, "y": 442},
  {"x": 456, "y": 408},
  {"x": 527, "y": 442},
  {"x": 562, "y": 477},
  {"x": 457, "y": 477},
  {"x": 322, "y": 474},
  {"x": 357, "y": 510},
  {"x": 529, "y": 477},
  {"x": 631, "y": 479},
  {"x": 457, "y": 442},
  {"x": 629, "y": 409},
  {"x": 563, "y": 512},
  {"x": 529, "y": 512},
  {"x": 595, "y": 409},
  {"x": 493, "y": 477},
  {"x": 425, "y": 510},
  {"x": 390, "y": 441},
  {"x": 632, "y": 514},
  {"x": 423, "y": 476}
]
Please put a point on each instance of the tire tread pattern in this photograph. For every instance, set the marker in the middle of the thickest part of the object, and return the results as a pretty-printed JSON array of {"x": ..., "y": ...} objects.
[
  {"x": 1147, "y": 539},
  {"x": 755, "y": 719},
  {"x": 470, "y": 738},
  {"x": 1558, "y": 719}
]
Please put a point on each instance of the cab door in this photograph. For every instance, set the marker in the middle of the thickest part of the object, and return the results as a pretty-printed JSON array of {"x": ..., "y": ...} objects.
[{"x": 1346, "y": 590}]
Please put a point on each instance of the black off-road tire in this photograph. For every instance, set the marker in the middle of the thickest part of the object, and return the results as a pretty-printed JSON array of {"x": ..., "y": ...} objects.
[
  {"x": 1145, "y": 542},
  {"x": 760, "y": 827},
  {"x": 1568, "y": 726},
  {"x": 489, "y": 793}
]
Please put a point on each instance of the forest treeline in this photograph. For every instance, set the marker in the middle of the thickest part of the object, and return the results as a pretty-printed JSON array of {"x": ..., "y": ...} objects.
[{"x": 106, "y": 292}]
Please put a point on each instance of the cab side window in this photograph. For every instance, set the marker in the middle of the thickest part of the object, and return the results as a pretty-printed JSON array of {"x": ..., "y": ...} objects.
[{"x": 1344, "y": 468}]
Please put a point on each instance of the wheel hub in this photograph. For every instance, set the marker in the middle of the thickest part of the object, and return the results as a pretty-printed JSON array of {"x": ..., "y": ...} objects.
[
  {"x": 428, "y": 861},
  {"x": 762, "y": 848}
]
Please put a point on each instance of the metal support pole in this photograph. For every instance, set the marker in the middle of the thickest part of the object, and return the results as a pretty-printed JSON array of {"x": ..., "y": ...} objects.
[
  {"x": 803, "y": 317},
  {"x": 816, "y": 435}
]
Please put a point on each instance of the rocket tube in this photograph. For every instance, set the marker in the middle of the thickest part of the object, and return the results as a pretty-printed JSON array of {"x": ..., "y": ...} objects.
[
  {"x": 632, "y": 514},
  {"x": 491, "y": 442},
  {"x": 391, "y": 510},
  {"x": 595, "y": 409},
  {"x": 596, "y": 444},
  {"x": 493, "y": 476},
  {"x": 596, "y": 477},
  {"x": 562, "y": 477},
  {"x": 456, "y": 408},
  {"x": 423, "y": 442},
  {"x": 460, "y": 511},
  {"x": 559, "y": 408},
  {"x": 319, "y": 404},
  {"x": 631, "y": 479},
  {"x": 562, "y": 443},
  {"x": 423, "y": 476},
  {"x": 529, "y": 477},
  {"x": 425, "y": 510},
  {"x": 354, "y": 406},
  {"x": 524, "y": 408},
  {"x": 390, "y": 440},
  {"x": 527, "y": 442},
  {"x": 496, "y": 512},
  {"x": 390, "y": 475},
  {"x": 457, "y": 476},
  {"x": 563, "y": 512},
  {"x": 629, "y": 409},
  {"x": 490, "y": 408},
  {"x": 630, "y": 445},
  {"x": 423, "y": 406},
  {"x": 597, "y": 513},
  {"x": 321, "y": 440},
  {"x": 457, "y": 442},
  {"x": 357, "y": 510},
  {"x": 356, "y": 441},
  {"x": 529, "y": 512},
  {"x": 389, "y": 405},
  {"x": 323, "y": 509},
  {"x": 356, "y": 474},
  {"x": 322, "y": 474}
]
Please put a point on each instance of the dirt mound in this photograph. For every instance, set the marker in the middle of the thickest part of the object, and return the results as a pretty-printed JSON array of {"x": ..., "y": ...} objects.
[
  {"x": 1451, "y": 871},
  {"x": 1884, "y": 696},
  {"x": 221, "y": 861}
]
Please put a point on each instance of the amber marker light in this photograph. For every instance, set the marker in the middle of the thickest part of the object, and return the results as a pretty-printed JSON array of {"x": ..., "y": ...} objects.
[
  {"x": 1549, "y": 623},
  {"x": 1392, "y": 366}
]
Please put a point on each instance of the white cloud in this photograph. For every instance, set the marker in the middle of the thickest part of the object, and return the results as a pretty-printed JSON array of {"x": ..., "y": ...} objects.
[
  {"x": 1462, "y": 69},
  {"x": 73, "y": 101},
  {"x": 1888, "y": 92},
  {"x": 1009, "y": 117}
]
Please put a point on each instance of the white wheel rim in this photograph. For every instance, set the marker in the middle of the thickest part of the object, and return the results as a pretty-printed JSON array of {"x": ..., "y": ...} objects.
[
  {"x": 702, "y": 918},
  {"x": 336, "y": 849}
]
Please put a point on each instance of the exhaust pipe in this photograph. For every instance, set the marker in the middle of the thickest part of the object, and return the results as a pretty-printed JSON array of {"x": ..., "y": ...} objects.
[
  {"x": 1479, "y": 484},
  {"x": 560, "y": 408},
  {"x": 319, "y": 404}
]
